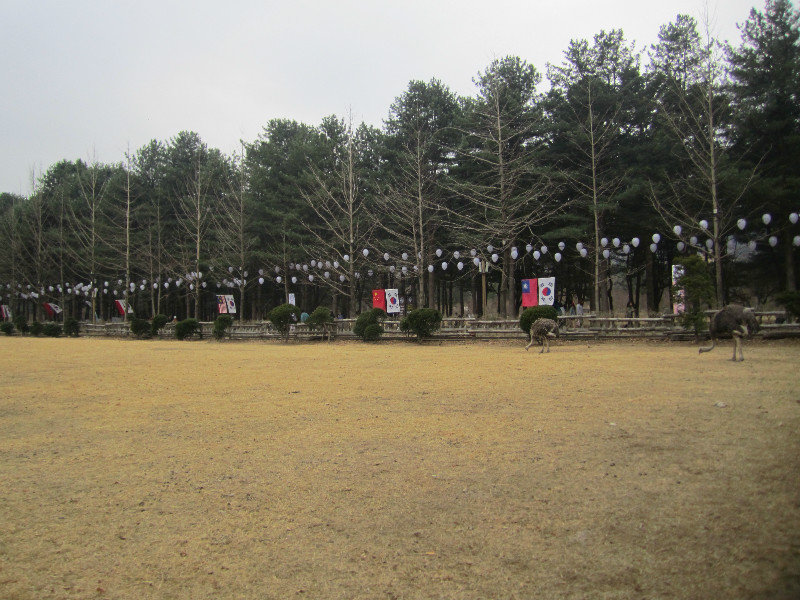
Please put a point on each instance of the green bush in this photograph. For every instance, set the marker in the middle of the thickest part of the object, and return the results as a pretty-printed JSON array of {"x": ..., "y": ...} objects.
[
  {"x": 159, "y": 321},
  {"x": 372, "y": 332},
  {"x": 36, "y": 328},
  {"x": 697, "y": 290},
  {"x": 318, "y": 318},
  {"x": 21, "y": 323},
  {"x": 281, "y": 318},
  {"x": 221, "y": 325},
  {"x": 71, "y": 327},
  {"x": 374, "y": 316},
  {"x": 791, "y": 302},
  {"x": 140, "y": 327},
  {"x": 529, "y": 315},
  {"x": 52, "y": 329},
  {"x": 424, "y": 322},
  {"x": 187, "y": 328},
  {"x": 7, "y": 327}
]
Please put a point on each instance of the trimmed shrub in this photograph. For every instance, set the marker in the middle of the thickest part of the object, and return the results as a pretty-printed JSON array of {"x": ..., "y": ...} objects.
[
  {"x": 36, "y": 328},
  {"x": 221, "y": 325},
  {"x": 21, "y": 323},
  {"x": 281, "y": 318},
  {"x": 424, "y": 322},
  {"x": 791, "y": 302},
  {"x": 140, "y": 327},
  {"x": 529, "y": 315},
  {"x": 7, "y": 327},
  {"x": 374, "y": 316},
  {"x": 159, "y": 321},
  {"x": 187, "y": 328},
  {"x": 698, "y": 292},
  {"x": 318, "y": 318},
  {"x": 372, "y": 332},
  {"x": 71, "y": 327},
  {"x": 52, "y": 329}
]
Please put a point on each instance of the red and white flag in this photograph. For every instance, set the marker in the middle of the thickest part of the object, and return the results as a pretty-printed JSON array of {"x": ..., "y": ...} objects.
[
  {"x": 530, "y": 293},
  {"x": 5, "y": 312},
  {"x": 231, "y": 304},
  {"x": 120, "y": 304}
]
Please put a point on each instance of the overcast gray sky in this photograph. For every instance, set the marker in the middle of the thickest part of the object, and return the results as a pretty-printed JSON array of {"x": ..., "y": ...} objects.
[{"x": 87, "y": 79}]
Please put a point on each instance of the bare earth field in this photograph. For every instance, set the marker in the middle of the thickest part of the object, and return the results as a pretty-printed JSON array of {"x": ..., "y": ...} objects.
[{"x": 200, "y": 470}]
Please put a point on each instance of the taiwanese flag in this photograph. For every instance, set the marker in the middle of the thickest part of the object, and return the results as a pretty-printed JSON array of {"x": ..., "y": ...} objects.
[
  {"x": 530, "y": 293},
  {"x": 379, "y": 299}
]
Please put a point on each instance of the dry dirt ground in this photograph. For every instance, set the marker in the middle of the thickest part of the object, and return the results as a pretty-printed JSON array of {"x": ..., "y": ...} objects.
[{"x": 165, "y": 469}]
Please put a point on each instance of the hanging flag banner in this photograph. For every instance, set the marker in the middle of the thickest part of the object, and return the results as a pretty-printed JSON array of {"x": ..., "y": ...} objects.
[
  {"x": 292, "y": 299},
  {"x": 120, "y": 304},
  {"x": 231, "y": 304},
  {"x": 379, "y": 299},
  {"x": 530, "y": 293},
  {"x": 222, "y": 306},
  {"x": 5, "y": 312},
  {"x": 51, "y": 309},
  {"x": 547, "y": 291},
  {"x": 392, "y": 302},
  {"x": 679, "y": 306}
]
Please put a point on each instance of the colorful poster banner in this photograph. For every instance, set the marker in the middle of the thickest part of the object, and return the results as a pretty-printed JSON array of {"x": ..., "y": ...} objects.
[{"x": 222, "y": 306}]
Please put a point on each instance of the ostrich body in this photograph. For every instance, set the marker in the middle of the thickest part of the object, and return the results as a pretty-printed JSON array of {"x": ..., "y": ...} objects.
[
  {"x": 735, "y": 320},
  {"x": 541, "y": 331}
]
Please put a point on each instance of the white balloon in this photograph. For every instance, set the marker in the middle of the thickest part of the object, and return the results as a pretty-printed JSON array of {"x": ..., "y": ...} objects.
[
  {"x": 653, "y": 248},
  {"x": 313, "y": 263},
  {"x": 709, "y": 243},
  {"x": 166, "y": 285},
  {"x": 514, "y": 253},
  {"x": 404, "y": 269},
  {"x": 561, "y": 246},
  {"x": 703, "y": 224},
  {"x": 369, "y": 272},
  {"x": 766, "y": 218},
  {"x": 528, "y": 248},
  {"x": 752, "y": 245},
  {"x": 444, "y": 266},
  {"x": 604, "y": 242},
  {"x": 476, "y": 261},
  {"x": 438, "y": 252},
  {"x": 656, "y": 238},
  {"x": 460, "y": 265},
  {"x": 495, "y": 257},
  {"x": 346, "y": 258},
  {"x": 341, "y": 278},
  {"x": 796, "y": 240},
  {"x": 773, "y": 241},
  {"x": 365, "y": 252},
  {"x": 579, "y": 246},
  {"x": 311, "y": 278},
  {"x": 793, "y": 218},
  {"x": 626, "y": 249},
  {"x": 606, "y": 253},
  {"x": 230, "y": 269},
  {"x": 294, "y": 279},
  {"x": 204, "y": 284},
  {"x": 456, "y": 254},
  {"x": 543, "y": 249},
  {"x": 430, "y": 268},
  {"x": 537, "y": 255},
  {"x": 489, "y": 248},
  {"x": 557, "y": 256},
  {"x": 279, "y": 279},
  {"x": 681, "y": 246},
  {"x": 584, "y": 252},
  {"x": 473, "y": 252},
  {"x": 616, "y": 242},
  {"x": 677, "y": 229},
  {"x": 693, "y": 240},
  {"x": 385, "y": 256},
  {"x": 391, "y": 270},
  {"x": 261, "y": 280},
  {"x": 336, "y": 264},
  {"x": 405, "y": 255}
]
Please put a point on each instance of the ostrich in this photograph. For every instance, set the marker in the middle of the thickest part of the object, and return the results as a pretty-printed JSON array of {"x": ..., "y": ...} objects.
[
  {"x": 735, "y": 320},
  {"x": 541, "y": 331}
]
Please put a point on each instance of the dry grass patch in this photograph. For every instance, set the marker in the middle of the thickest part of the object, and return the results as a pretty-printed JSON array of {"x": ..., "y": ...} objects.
[{"x": 262, "y": 470}]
